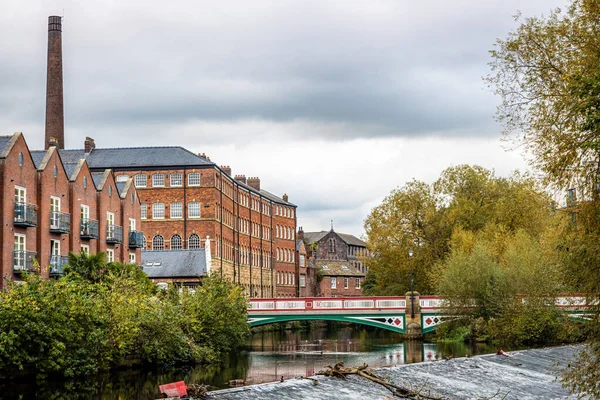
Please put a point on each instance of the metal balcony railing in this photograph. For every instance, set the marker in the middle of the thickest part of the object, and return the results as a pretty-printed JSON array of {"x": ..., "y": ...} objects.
[
  {"x": 89, "y": 228},
  {"x": 60, "y": 222},
  {"x": 25, "y": 214},
  {"x": 57, "y": 263},
  {"x": 23, "y": 261},
  {"x": 136, "y": 240},
  {"x": 114, "y": 234}
]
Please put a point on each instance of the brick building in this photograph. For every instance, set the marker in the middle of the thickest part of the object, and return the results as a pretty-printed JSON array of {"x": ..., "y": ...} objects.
[
  {"x": 335, "y": 263},
  {"x": 186, "y": 198},
  {"x": 50, "y": 208}
]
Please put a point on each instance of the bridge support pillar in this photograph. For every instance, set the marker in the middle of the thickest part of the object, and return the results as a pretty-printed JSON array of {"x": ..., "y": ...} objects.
[{"x": 413, "y": 316}]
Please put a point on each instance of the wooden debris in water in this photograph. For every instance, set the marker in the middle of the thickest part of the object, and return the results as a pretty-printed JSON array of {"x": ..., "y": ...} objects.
[{"x": 419, "y": 393}]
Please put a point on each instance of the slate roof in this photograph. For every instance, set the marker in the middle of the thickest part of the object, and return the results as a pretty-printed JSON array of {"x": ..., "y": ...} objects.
[
  {"x": 299, "y": 245},
  {"x": 174, "y": 263},
  {"x": 312, "y": 237},
  {"x": 38, "y": 156},
  {"x": 120, "y": 187},
  {"x": 97, "y": 178},
  {"x": 129, "y": 157},
  {"x": 70, "y": 168},
  {"x": 337, "y": 268},
  {"x": 4, "y": 140}
]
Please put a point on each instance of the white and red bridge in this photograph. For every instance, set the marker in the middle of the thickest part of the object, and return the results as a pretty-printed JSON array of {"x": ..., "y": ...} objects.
[{"x": 383, "y": 312}]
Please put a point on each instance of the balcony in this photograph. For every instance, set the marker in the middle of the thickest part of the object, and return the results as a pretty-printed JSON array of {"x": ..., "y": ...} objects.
[
  {"x": 60, "y": 222},
  {"x": 89, "y": 228},
  {"x": 23, "y": 261},
  {"x": 136, "y": 240},
  {"x": 56, "y": 265},
  {"x": 114, "y": 234},
  {"x": 25, "y": 214}
]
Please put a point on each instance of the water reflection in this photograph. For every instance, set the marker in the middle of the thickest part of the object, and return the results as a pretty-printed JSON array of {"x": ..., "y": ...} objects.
[{"x": 269, "y": 357}]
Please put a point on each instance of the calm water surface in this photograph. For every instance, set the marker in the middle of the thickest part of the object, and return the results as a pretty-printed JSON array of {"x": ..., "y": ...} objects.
[{"x": 268, "y": 357}]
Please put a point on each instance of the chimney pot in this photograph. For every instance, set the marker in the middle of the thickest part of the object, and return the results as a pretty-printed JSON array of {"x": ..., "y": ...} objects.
[
  {"x": 241, "y": 178},
  {"x": 226, "y": 169},
  {"x": 89, "y": 145},
  {"x": 254, "y": 182},
  {"x": 300, "y": 235},
  {"x": 285, "y": 197}
]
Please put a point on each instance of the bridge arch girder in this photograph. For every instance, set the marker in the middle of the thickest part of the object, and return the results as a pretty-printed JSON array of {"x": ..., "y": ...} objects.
[{"x": 395, "y": 323}]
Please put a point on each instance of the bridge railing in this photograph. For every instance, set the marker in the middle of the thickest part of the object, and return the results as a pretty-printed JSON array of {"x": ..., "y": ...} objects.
[
  {"x": 427, "y": 303},
  {"x": 325, "y": 303}
]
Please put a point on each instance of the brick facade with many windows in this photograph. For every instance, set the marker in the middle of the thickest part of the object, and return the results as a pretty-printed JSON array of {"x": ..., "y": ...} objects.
[{"x": 185, "y": 199}]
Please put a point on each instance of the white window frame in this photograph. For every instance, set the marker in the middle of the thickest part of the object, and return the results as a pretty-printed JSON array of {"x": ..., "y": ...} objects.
[
  {"x": 161, "y": 210},
  {"x": 110, "y": 218},
  {"x": 138, "y": 183},
  {"x": 122, "y": 178},
  {"x": 194, "y": 183},
  {"x": 84, "y": 212},
  {"x": 132, "y": 224},
  {"x": 176, "y": 180},
  {"x": 302, "y": 280},
  {"x": 176, "y": 210},
  {"x": 110, "y": 255},
  {"x": 346, "y": 283},
  {"x": 20, "y": 244},
  {"x": 180, "y": 242},
  {"x": 190, "y": 209},
  {"x": 20, "y": 194},
  {"x": 54, "y": 210},
  {"x": 143, "y": 211},
  {"x": 158, "y": 180},
  {"x": 333, "y": 282},
  {"x": 131, "y": 258},
  {"x": 85, "y": 248},
  {"x": 357, "y": 283},
  {"x": 302, "y": 260}
]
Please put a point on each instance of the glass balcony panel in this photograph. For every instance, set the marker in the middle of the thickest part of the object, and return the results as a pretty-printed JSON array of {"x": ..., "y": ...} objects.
[
  {"x": 23, "y": 261},
  {"x": 114, "y": 234},
  {"x": 89, "y": 228},
  {"x": 25, "y": 214},
  {"x": 136, "y": 240},
  {"x": 57, "y": 262},
  {"x": 60, "y": 222}
]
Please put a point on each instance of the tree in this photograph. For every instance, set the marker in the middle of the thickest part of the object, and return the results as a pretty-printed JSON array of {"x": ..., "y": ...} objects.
[
  {"x": 547, "y": 73},
  {"x": 88, "y": 266}
]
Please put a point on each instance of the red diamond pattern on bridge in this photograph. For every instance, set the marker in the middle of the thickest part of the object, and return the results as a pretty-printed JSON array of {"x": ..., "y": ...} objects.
[
  {"x": 397, "y": 321},
  {"x": 429, "y": 321}
]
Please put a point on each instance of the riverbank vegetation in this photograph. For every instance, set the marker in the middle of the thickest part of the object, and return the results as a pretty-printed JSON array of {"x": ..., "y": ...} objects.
[
  {"x": 500, "y": 248},
  {"x": 102, "y": 315}
]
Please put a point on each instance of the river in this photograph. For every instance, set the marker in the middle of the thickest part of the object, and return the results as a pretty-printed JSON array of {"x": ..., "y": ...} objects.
[{"x": 268, "y": 357}]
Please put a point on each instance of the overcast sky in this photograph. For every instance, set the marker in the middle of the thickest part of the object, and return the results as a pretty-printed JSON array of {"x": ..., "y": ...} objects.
[{"x": 335, "y": 103}]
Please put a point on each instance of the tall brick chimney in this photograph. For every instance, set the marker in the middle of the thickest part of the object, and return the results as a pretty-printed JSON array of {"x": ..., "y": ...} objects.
[
  {"x": 254, "y": 182},
  {"x": 300, "y": 235},
  {"x": 240, "y": 178},
  {"x": 55, "y": 117}
]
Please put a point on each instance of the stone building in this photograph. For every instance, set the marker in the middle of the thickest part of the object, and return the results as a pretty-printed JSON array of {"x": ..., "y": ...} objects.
[
  {"x": 186, "y": 198},
  {"x": 50, "y": 208},
  {"x": 337, "y": 262}
]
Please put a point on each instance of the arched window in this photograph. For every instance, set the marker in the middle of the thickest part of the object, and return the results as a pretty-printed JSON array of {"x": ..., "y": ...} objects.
[
  {"x": 194, "y": 242},
  {"x": 176, "y": 242},
  {"x": 158, "y": 242},
  {"x": 332, "y": 245}
]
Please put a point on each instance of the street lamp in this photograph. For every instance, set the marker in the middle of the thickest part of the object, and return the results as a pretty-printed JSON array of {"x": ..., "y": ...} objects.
[{"x": 412, "y": 283}]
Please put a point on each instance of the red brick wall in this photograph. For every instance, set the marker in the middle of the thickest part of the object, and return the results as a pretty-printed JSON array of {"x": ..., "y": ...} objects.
[
  {"x": 340, "y": 290},
  {"x": 130, "y": 208},
  {"x": 49, "y": 186},
  {"x": 82, "y": 194},
  {"x": 15, "y": 175},
  {"x": 108, "y": 202},
  {"x": 285, "y": 218}
]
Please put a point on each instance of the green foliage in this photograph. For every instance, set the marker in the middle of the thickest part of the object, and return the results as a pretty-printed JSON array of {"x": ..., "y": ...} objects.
[
  {"x": 547, "y": 73},
  {"x": 427, "y": 218},
  {"x": 102, "y": 316}
]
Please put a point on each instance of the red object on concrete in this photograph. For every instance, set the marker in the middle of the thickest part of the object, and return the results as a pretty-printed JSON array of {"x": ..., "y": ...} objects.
[
  {"x": 175, "y": 389},
  {"x": 502, "y": 353}
]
